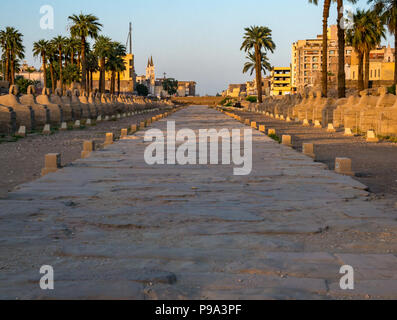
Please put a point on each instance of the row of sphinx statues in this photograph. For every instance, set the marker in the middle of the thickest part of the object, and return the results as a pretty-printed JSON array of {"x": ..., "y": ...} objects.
[
  {"x": 361, "y": 112},
  {"x": 34, "y": 111}
]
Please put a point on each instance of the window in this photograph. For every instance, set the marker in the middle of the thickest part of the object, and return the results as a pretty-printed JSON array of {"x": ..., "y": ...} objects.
[{"x": 332, "y": 52}]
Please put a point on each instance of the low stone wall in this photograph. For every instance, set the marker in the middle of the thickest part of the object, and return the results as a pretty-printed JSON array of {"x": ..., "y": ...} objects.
[
  {"x": 370, "y": 111},
  {"x": 197, "y": 100},
  {"x": 36, "y": 111}
]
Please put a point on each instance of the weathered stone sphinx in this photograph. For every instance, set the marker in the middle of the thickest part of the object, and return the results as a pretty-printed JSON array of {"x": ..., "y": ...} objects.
[
  {"x": 387, "y": 121},
  {"x": 92, "y": 111},
  {"x": 7, "y": 120},
  {"x": 76, "y": 109},
  {"x": 370, "y": 117},
  {"x": 56, "y": 98},
  {"x": 56, "y": 116},
  {"x": 352, "y": 114},
  {"x": 300, "y": 110},
  {"x": 341, "y": 106},
  {"x": 105, "y": 103},
  {"x": 93, "y": 105},
  {"x": 85, "y": 109},
  {"x": 41, "y": 113},
  {"x": 24, "y": 114}
]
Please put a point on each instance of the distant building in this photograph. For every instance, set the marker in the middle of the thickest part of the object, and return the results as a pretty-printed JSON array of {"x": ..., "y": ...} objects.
[
  {"x": 381, "y": 66},
  {"x": 30, "y": 73},
  {"x": 186, "y": 88},
  {"x": 127, "y": 78},
  {"x": 281, "y": 81},
  {"x": 306, "y": 64}
]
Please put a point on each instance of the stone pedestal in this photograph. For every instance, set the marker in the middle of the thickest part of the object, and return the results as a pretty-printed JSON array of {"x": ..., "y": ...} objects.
[
  {"x": 371, "y": 136},
  {"x": 88, "y": 148},
  {"x": 52, "y": 163},
  {"x": 109, "y": 139},
  {"x": 287, "y": 140},
  {"x": 344, "y": 166},
  {"x": 308, "y": 149}
]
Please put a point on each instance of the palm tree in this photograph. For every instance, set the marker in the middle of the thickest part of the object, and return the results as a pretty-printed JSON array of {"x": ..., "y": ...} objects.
[
  {"x": 326, "y": 10},
  {"x": 12, "y": 45},
  {"x": 115, "y": 63},
  {"x": 258, "y": 38},
  {"x": 92, "y": 66},
  {"x": 364, "y": 36},
  {"x": 102, "y": 49},
  {"x": 51, "y": 54},
  {"x": 387, "y": 9},
  {"x": 59, "y": 43},
  {"x": 251, "y": 63},
  {"x": 84, "y": 26},
  {"x": 40, "y": 48},
  {"x": 341, "y": 49}
]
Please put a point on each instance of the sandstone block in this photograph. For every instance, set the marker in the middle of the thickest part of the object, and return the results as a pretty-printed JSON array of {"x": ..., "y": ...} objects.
[
  {"x": 109, "y": 139},
  {"x": 21, "y": 131},
  {"x": 271, "y": 132},
  {"x": 88, "y": 148},
  {"x": 287, "y": 140},
  {"x": 47, "y": 129},
  {"x": 64, "y": 126},
  {"x": 52, "y": 163},
  {"x": 308, "y": 149},
  {"x": 344, "y": 166},
  {"x": 371, "y": 136},
  {"x": 124, "y": 133},
  {"x": 306, "y": 123},
  {"x": 348, "y": 132},
  {"x": 331, "y": 128},
  {"x": 317, "y": 124},
  {"x": 262, "y": 128},
  {"x": 254, "y": 125}
]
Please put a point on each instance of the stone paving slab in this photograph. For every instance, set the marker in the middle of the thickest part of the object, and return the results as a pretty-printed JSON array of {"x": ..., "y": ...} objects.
[{"x": 114, "y": 227}]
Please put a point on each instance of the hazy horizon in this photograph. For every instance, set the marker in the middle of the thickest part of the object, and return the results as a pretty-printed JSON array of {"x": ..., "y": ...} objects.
[{"x": 197, "y": 41}]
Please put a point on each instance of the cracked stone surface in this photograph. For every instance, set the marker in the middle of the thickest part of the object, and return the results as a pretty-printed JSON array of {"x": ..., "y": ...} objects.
[{"x": 113, "y": 227}]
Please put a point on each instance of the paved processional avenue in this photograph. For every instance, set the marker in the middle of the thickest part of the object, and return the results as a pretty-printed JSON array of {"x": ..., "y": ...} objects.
[{"x": 113, "y": 227}]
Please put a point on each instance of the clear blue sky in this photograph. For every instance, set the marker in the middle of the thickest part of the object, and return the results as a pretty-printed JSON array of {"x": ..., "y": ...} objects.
[{"x": 189, "y": 40}]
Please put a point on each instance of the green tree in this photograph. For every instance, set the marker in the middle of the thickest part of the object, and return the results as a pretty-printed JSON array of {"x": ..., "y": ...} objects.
[
  {"x": 251, "y": 63},
  {"x": 387, "y": 10},
  {"x": 41, "y": 48},
  {"x": 364, "y": 36},
  {"x": 84, "y": 26},
  {"x": 142, "y": 89},
  {"x": 92, "y": 67},
  {"x": 258, "y": 38},
  {"x": 102, "y": 49},
  {"x": 59, "y": 43},
  {"x": 171, "y": 86},
  {"x": 12, "y": 46},
  {"x": 115, "y": 64}
]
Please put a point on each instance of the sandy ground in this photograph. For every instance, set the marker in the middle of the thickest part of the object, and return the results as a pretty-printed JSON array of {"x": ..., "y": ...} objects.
[
  {"x": 374, "y": 164},
  {"x": 23, "y": 160}
]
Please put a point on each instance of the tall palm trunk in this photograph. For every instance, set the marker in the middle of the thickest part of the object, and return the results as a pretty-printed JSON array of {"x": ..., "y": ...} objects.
[
  {"x": 118, "y": 82},
  {"x": 88, "y": 82},
  {"x": 12, "y": 70},
  {"x": 91, "y": 82},
  {"x": 52, "y": 77},
  {"x": 395, "y": 54},
  {"x": 360, "y": 72},
  {"x": 7, "y": 71},
  {"x": 103, "y": 76},
  {"x": 366, "y": 69},
  {"x": 72, "y": 57},
  {"x": 258, "y": 69},
  {"x": 45, "y": 71},
  {"x": 324, "y": 82},
  {"x": 341, "y": 53},
  {"x": 83, "y": 65},
  {"x": 60, "y": 69}
]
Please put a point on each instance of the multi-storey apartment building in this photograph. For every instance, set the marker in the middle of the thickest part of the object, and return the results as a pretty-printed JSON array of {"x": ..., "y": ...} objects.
[
  {"x": 306, "y": 63},
  {"x": 280, "y": 81}
]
